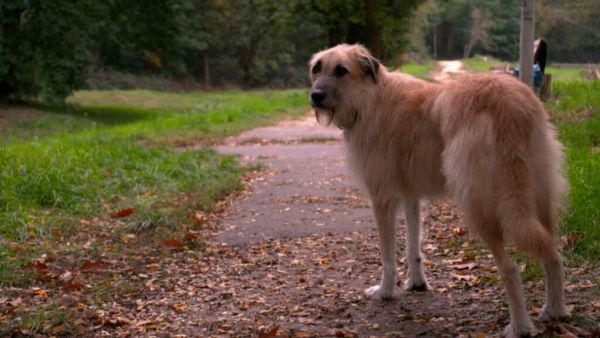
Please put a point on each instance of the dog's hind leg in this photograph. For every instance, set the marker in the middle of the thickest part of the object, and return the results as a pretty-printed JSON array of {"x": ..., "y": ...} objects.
[
  {"x": 416, "y": 276},
  {"x": 385, "y": 215},
  {"x": 554, "y": 307},
  {"x": 550, "y": 191},
  {"x": 520, "y": 322}
]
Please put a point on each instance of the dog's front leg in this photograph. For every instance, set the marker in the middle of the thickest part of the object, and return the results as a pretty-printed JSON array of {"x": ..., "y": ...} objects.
[
  {"x": 385, "y": 215},
  {"x": 416, "y": 276}
]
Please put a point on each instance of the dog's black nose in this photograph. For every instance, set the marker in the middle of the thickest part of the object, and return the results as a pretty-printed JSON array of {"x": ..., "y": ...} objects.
[{"x": 317, "y": 96}]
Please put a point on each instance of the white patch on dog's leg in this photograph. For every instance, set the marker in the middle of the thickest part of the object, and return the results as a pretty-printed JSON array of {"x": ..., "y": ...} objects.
[
  {"x": 416, "y": 274},
  {"x": 554, "y": 307},
  {"x": 385, "y": 214}
]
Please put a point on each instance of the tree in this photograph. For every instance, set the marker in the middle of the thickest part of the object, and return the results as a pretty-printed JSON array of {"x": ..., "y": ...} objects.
[
  {"x": 481, "y": 22},
  {"x": 138, "y": 37},
  {"x": 44, "y": 48}
]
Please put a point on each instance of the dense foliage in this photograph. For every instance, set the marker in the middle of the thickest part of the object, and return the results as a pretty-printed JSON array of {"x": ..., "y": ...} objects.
[
  {"x": 460, "y": 28},
  {"x": 50, "y": 48}
]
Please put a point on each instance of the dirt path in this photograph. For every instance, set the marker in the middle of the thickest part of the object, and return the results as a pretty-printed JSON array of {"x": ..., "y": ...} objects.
[
  {"x": 299, "y": 247},
  {"x": 446, "y": 70}
]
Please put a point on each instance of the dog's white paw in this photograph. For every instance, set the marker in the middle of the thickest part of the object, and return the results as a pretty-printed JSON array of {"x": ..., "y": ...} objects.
[
  {"x": 512, "y": 331},
  {"x": 380, "y": 293},
  {"x": 550, "y": 313},
  {"x": 416, "y": 285}
]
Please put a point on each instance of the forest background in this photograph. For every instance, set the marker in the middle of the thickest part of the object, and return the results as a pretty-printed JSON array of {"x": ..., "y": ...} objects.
[{"x": 49, "y": 49}]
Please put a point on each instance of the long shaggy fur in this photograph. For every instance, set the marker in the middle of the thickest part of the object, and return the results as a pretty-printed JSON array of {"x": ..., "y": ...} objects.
[{"x": 483, "y": 139}]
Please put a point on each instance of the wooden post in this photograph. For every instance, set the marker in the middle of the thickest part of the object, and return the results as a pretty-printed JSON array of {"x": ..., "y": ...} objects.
[
  {"x": 546, "y": 89},
  {"x": 527, "y": 34}
]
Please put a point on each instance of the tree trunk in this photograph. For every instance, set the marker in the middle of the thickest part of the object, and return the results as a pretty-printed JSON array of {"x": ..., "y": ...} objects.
[
  {"x": 449, "y": 41},
  {"x": 373, "y": 29},
  {"x": 435, "y": 49},
  {"x": 206, "y": 70},
  {"x": 10, "y": 27},
  {"x": 335, "y": 37}
]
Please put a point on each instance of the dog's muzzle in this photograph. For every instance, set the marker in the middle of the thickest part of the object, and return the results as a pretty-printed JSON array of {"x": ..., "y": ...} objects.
[{"x": 317, "y": 97}]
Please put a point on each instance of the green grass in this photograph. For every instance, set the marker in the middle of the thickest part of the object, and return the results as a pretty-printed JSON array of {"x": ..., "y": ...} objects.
[
  {"x": 577, "y": 112},
  {"x": 118, "y": 149},
  {"x": 478, "y": 63},
  {"x": 565, "y": 74},
  {"x": 420, "y": 70}
]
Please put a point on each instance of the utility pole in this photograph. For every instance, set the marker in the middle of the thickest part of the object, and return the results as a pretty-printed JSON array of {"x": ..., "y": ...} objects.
[{"x": 527, "y": 36}]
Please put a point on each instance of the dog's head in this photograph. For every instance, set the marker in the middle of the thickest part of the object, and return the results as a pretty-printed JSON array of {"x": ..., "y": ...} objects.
[{"x": 342, "y": 79}]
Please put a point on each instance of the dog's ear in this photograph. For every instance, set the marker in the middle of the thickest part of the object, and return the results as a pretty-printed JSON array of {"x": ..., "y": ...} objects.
[{"x": 369, "y": 65}]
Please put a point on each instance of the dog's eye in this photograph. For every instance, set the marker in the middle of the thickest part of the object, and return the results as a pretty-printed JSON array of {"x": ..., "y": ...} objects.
[
  {"x": 317, "y": 67},
  {"x": 340, "y": 71}
]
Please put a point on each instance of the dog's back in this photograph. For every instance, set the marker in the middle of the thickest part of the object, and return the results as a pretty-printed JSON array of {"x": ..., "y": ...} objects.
[{"x": 501, "y": 157}]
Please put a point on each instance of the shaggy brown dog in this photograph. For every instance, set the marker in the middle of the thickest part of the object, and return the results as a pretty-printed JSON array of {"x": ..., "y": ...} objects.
[{"x": 483, "y": 139}]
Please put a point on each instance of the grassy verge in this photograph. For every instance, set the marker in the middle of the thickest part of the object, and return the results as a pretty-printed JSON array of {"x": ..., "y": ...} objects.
[
  {"x": 479, "y": 63},
  {"x": 420, "y": 70},
  {"x": 576, "y": 110},
  {"x": 119, "y": 149},
  {"x": 565, "y": 73}
]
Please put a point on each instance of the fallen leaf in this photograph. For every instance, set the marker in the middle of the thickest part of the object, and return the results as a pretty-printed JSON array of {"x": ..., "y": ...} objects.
[
  {"x": 73, "y": 285},
  {"x": 119, "y": 321},
  {"x": 199, "y": 218},
  {"x": 127, "y": 238},
  {"x": 270, "y": 334},
  {"x": 172, "y": 243},
  {"x": 152, "y": 266},
  {"x": 92, "y": 265},
  {"x": 179, "y": 308},
  {"x": 190, "y": 236},
  {"x": 40, "y": 292},
  {"x": 568, "y": 240},
  {"x": 122, "y": 213},
  {"x": 65, "y": 276},
  {"x": 37, "y": 266},
  {"x": 15, "y": 302},
  {"x": 58, "y": 330},
  {"x": 586, "y": 283},
  {"x": 459, "y": 231},
  {"x": 465, "y": 266}
]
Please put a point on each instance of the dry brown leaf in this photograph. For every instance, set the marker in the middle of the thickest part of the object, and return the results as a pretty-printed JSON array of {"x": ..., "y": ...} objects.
[
  {"x": 459, "y": 231},
  {"x": 200, "y": 218},
  {"x": 92, "y": 265},
  {"x": 127, "y": 238},
  {"x": 58, "y": 330},
  {"x": 171, "y": 243},
  {"x": 39, "y": 292},
  {"x": 270, "y": 334},
  {"x": 465, "y": 266},
  {"x": 37, "y": 266},
  {"x": 179, "y": 308},
  {"x": 65, "y": 276},
  {"x": 73, "y": 285},
  {"x": 122, "y": 213},
  {"x": 190, "y": 236}
]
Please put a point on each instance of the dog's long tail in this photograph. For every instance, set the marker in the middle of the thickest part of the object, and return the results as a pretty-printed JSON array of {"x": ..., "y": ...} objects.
[{"x": 529, "y": 188}]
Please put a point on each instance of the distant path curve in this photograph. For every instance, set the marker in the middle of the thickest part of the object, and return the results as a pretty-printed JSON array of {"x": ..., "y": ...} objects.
[{"x": 446, "y": 69}]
